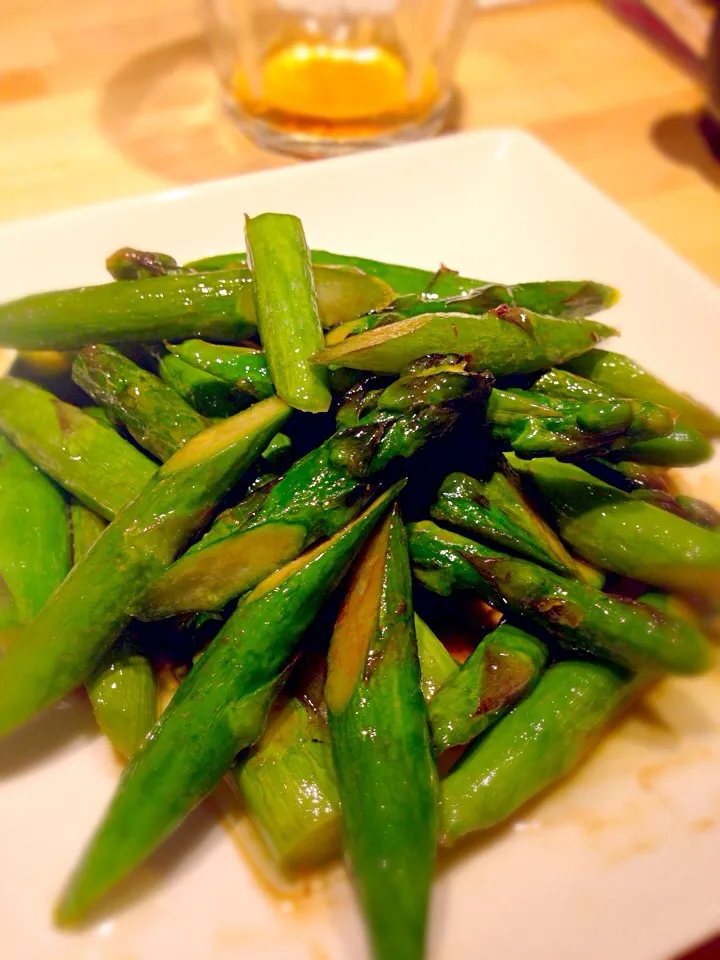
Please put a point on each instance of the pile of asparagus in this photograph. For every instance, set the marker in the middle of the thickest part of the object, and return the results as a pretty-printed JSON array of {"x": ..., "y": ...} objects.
[{"x": 252, "y": 519}]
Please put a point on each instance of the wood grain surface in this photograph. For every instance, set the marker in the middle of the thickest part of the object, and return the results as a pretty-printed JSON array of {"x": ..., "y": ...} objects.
[{"x": 102, "y": 99}]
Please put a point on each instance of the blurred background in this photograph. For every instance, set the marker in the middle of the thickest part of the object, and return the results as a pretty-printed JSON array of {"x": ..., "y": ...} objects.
[{"x": 101, "y": 99}]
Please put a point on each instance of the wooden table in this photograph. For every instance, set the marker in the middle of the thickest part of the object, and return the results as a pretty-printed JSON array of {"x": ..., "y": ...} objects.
[{"x": 101, "y": 99}]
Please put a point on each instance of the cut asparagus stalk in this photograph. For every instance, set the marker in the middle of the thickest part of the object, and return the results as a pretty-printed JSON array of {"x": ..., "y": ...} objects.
[
  {"x": 626, "y": 378},
  {"x": 497, "y": 512},
  {"x": 123, "y": 694},
  {"x": 61, "y": 647},
  {"x": 500, "y": 671},
  {"x": 387, "y": 781},
  {"x": 628, "y": 536},
  {"x": 34, "y": 538},
  {"x": 155, "y": 416},
  {"x": 244, "y": 367},
  {"x": 287, "y": 310},
  {"x": 576, "y": 615},
  {"x": 218, "y": 710},
  {"x": 538, "y": 743},
  {"x": 504, "y": 341},
  {"x": 209, "y": 395},
  {"x": 86, "y": 458},
  {"x": 319, "y": 494}
]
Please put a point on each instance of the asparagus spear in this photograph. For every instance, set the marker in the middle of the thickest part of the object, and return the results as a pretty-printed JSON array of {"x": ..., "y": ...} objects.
[
  {"x": 288, "y": 782},
  {"x": 214, "y": 305},
  {"x": 387, "y": 780},
  {"x": 8, "y": 613},
  {"x": 66, "y": 641},
  {"x": 629, "y": 476},
  {"x": 436, "y": 664},
  {"x": 497, "y": 511},
  {"x": 289, "y": 789},
  {"x": 128, "y": 263},
  {"x": 244, "y": 367},
  {"x": 534, "y": 425},
  {"x": 631, "y": 537},
  {"x": 217, "y": 305},
  {"x": 563, "y": 298},
  {"x": 123, "y": 694},
  {"x": 319, "y": 494},
  {"x": 207, "y": 394},
  {"x": 682, "y": 446},
  {"x": 567, "y": 299},
  {"x": 504, "y": 341},
  {"x": 81, "y": 454},
  {"x": 401, "y": 279},
  {"x": 218, "y": 710},
  {"x": 502, "y": 669},
  {"x": 627, "y": 378},
  {"x": 86, "y": 526},
  {"x": 578, "y": 616},
  {"x": 122, "y": 690},
  {"x": 34, "y": 541},
  {"x": 286, "y": 308},
  {"x": 689, "y": 508},
  {"x": 345, "y": 292},
  {"x": 539, "y": 742},
  {"x": 153, "y": 413}
]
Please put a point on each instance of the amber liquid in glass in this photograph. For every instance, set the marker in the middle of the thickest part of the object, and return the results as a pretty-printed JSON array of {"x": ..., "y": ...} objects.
[{"x": 335, "y": 90}]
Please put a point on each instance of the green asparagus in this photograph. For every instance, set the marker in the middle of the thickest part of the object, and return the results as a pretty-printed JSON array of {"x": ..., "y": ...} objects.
[
  {"x": 689, "y": 508},
  {"x": 288, "y": 786},
  {"x": 628, "y": 536},
  {"x": 497, "y": 511},
  {"x": 436, "y": 665},
  {"x": 204, "y": 392},
  {"x": 288, "y": 782},
  {"x": 387, "y": 781},
  {"x": 683, "y": 446},
  {"x": 321, "y": 492},
  {"x": 86, "y": 526},
  {"x": 61, "y": 647},
  {"x": 217, "y": 305},
  {"x": 504, "y": 341},
  {"x": 567, "y": 299},
  {"x": 130, "y": 264},
  {"x": 626, "y": 378},
  {"x": 214, "y": 305},
  {"x": 534, "y": 425},
  {"x": 122, "y": 690},
  {"x": 286, "y": 309},
  {"x": 34, "y": 538},
  {"x": 538, "y": 743},
  {"x": 123, "y": 694},
  {"x": 502, "y": 669},
  {"x": 152, "y": 412},
  {"x": 576, "y": 615},
  {"x": 82, "y": 455},
  {"x": 218, "y": 710},
  {"x": 244, "y": 367}
]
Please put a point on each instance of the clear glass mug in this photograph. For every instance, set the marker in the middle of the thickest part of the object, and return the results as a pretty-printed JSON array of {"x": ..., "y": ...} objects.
[{"x": 322, "y": 77}]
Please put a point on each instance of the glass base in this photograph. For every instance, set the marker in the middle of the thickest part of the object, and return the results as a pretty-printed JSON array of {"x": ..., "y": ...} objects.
[{"x": 311, "y": 146}]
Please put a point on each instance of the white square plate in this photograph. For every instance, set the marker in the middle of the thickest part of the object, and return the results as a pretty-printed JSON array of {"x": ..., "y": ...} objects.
[{"x": 622, "y": 862}]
